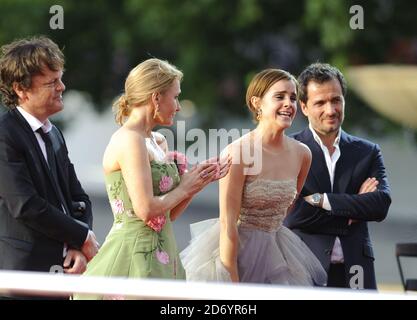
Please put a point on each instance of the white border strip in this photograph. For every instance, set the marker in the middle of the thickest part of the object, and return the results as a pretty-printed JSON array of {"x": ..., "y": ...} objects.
[{"x": 39, "y": 283}]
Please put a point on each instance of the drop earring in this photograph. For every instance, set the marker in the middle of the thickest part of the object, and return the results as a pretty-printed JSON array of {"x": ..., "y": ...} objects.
[
  {"x": 259, "y": 114},
  {"x": 156, "y": 112}
]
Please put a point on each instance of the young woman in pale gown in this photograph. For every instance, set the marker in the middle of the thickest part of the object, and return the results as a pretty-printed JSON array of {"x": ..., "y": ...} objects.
[{"x": 249, "y": 243}]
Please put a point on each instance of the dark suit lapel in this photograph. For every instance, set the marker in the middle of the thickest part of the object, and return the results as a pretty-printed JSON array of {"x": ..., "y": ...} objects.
[
  {"x": 318, "y": 165},
  {"x": 345, "y": 164},
  {"x": 36, "y": 150}
]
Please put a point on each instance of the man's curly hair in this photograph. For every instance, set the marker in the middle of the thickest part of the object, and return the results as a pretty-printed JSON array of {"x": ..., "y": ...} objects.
[{"x": 22, "y": 59}]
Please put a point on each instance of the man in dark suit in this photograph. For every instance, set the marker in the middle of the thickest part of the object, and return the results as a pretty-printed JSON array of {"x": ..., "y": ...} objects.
[
  {"x": 346, "y": 187},
  {"x": 39, "y": 228}
]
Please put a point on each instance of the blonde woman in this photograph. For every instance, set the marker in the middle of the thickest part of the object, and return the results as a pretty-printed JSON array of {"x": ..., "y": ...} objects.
[
  {"x": 146, "y": 188},
  {"x": 249, "y": 243}
]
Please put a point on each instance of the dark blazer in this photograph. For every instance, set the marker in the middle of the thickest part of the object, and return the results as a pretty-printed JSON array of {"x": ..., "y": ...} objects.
[
  {"x": 318, "y": 228},
  {"x": 33, "y": 227}
]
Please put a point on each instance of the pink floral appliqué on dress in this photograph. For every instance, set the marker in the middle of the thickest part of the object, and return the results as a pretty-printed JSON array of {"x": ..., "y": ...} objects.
[
  {"x": 165, "y": 184},
  {"x": 157, "y": 223},
  {"x": 117, "y": 206},
  {"x": 162, "y": 256},
  {"x": 179, "y": 159}
]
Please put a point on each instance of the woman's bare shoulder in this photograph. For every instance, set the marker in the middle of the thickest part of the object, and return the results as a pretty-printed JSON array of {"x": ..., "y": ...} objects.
[
  {"x": 122, "y": 141},
  {"x": 298, "y": 146}
]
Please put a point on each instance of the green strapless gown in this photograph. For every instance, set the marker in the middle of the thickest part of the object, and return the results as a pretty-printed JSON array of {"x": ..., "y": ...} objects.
[{"x": 132, "y": 248}]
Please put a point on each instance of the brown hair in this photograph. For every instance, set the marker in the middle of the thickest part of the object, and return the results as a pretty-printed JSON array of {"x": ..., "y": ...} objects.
[
  {"x": 261, "y": 83},
  {"x": 320, "y": 73},
  {"x": 152, "y": 75},
  {"x": 24, "y": 58}
]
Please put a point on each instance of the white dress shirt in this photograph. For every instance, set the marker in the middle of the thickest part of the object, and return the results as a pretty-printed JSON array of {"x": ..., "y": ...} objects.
[
  {"x": 35, "y": 124},
  {"x": 331, "y": 160}
]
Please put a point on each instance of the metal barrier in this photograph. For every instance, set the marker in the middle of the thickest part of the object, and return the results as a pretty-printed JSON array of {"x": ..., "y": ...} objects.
[{"x": 37, "y": 283}]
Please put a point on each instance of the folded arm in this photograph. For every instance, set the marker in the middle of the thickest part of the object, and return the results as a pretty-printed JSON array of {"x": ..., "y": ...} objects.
[
  {"x": 368, "y": 206},
  {"x": 365, "y": 205}
]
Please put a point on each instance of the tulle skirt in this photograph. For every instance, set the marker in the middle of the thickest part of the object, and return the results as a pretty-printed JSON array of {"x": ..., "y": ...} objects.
[{"x": 278, "y": 257}]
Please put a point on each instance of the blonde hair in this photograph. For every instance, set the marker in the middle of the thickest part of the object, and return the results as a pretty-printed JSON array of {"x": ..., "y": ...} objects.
[
  {"x": 261, "y": 83},
  {"x": 150, "y": 76}
]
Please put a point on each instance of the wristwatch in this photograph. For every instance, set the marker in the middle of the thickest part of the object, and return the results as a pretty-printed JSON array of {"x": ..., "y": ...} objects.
[{"x": 316, "y": 199}]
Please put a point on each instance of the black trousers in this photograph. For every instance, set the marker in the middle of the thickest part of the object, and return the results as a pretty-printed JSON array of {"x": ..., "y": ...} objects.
[{"x": 337, "y": 276}]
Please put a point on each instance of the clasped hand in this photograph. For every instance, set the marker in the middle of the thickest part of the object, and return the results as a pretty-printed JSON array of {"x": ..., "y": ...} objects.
[
  {"x": 90, "y": 246},
  {"x": 205, "y": 172}
]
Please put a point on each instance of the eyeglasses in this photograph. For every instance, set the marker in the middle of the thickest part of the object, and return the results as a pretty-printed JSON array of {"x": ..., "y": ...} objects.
[{"x": 53, "y": 84}]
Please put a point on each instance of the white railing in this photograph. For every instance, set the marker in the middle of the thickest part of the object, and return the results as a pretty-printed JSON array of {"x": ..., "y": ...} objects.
[{"x": 34, "y": 283}]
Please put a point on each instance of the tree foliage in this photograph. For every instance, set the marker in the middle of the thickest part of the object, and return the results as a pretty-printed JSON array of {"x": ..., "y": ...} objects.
[{"x": 218, "y": 44}]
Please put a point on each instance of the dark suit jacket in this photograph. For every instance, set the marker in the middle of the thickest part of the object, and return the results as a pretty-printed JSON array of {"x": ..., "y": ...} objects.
[
  {"x": 33, "y": 227},
  {"x": 318, "y": 228}
]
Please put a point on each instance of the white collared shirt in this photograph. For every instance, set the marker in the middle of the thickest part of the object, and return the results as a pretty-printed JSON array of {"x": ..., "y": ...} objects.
[
  {"x": 331, "y": 160},
  {"x": 35, "y": 124}
]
